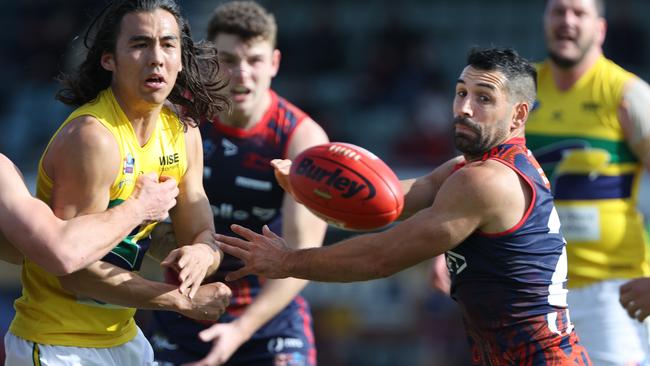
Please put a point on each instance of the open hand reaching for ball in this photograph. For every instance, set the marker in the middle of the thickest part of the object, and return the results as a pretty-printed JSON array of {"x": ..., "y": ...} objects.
[{"x": 263, "y": 255}]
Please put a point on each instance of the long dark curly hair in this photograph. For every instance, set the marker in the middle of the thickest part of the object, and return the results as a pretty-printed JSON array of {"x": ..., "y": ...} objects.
[{"x": 198, "y": 88}]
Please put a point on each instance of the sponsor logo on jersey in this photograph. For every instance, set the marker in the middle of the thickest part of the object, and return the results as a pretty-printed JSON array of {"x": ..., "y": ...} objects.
[
  {"x": 170, "y": 159},
  {"x": 456, "y": 263},
  {"x": 332, "y": 178},
  {"x": 229, "y": 149},
  {"x": 229, "y": 212},
  {"x": 128, "y": 169},
  {"x": 279, "y": 344},
  {"x": 590, "y": 106},
  {"x": 255, "y": 184},
  {"x": 208, "y": 148},
  {"x": 128, "y": 165}
]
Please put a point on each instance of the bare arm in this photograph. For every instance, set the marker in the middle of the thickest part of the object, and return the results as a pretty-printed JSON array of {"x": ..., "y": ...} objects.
[
  {"x": 114, "y": 285},
  {"x": 62, "y": 247},
  {"x": 193, "y": 223},
  {"x": 420, "y": 193},
  {"x": 634, "y": 114},
  {"x": 480, "y": 196}
]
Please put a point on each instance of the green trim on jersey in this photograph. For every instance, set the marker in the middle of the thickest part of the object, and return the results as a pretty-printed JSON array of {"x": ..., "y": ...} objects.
[{"x": 619, "y": 150}]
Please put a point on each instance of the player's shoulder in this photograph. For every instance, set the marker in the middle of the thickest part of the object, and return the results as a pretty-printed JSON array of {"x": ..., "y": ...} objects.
[
  {"x": 287, "y": 109},
  {"x": 86, "y": 130},
  {"x": 7, "y": 169},
  {"x": 481, "y": 169},
  {"x": 87, "y": 134},
  {"x": 636, "y": 87},
  {"x": 489, "y": 180},
  {"x": 307, "y": 134},
  {"x": 83, "y": 138},
  {"x": 192, "y": 135},
  {"x": 4, "y": 161}
]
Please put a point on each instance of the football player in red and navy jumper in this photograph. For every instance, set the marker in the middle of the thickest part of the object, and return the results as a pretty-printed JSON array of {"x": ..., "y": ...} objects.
[
  {"x": 490, "y": 211},
  {"x": 511, "y": 285},
  {"x": 268, "y": 322}
]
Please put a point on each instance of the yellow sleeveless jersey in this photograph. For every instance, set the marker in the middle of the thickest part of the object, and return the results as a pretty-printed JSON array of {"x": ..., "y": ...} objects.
[
  {"x": 577, "y": 138},
  {"x": 48, "y": 314}
]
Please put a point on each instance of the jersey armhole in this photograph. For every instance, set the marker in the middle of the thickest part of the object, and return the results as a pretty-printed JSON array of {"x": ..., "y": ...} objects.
[
  {"x": 529, "y": 209},
  {"x": 285, "y": 148}
]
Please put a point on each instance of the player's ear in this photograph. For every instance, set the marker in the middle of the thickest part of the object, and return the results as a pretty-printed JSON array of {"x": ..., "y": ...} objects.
[
  {"x": 275, "y": 61},
  {"x": 520, "y": 115},
  {"x": 108, "y": 61}
]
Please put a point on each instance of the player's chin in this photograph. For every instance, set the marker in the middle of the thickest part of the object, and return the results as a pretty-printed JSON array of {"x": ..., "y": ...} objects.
[
  {"x": 463, "y": 139},
  {"x": 157, "y": 97}
]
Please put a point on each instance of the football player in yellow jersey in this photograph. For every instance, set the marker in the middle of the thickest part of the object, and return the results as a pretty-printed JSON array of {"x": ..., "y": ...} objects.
[
  {"x": 141, "y": 57},
  {"x": 29, "y": 228},
  {"x": 590, "y": 131}
]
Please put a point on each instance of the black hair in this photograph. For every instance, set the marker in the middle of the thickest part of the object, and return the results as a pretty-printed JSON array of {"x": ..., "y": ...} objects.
[
  {"x": 198, "y": 86},
  {"x": 520, "y": 73}
]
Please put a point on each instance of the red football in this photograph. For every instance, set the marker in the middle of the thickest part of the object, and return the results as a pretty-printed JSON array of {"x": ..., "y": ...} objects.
[{"x": 347, "y": 186}]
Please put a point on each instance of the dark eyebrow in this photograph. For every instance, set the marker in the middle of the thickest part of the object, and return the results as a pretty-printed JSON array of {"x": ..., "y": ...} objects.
[
  {"x": 143, "y": 38},
  {"x": 489, "y": 86},
  {"x": 484, "y": 85},
  {"x": 226, "y": 53}
]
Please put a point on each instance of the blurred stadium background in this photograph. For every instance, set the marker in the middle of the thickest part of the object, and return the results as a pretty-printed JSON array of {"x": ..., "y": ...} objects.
[{"x": 375, "y": 73}]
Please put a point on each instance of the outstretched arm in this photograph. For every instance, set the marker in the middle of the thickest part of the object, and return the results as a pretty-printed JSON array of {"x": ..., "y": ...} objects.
[
  {"x": 478, "y": 197},
  {"x": 28, "y": 226},
  {"x": 110, "y": 284},
  {"x": 301, "y": 229}
]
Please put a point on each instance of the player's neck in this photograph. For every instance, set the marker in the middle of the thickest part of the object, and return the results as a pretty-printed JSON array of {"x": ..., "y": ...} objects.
[
  {"x": 142, "y": 115},
  {"x": 565, "y": 78},
  {"x": 516, "y": 136}
]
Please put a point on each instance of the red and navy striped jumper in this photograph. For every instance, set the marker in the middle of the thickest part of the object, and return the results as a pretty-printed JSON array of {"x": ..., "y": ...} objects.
[
  {"x": 241, "y": 187},
  {"x": 511, "y": 286}
]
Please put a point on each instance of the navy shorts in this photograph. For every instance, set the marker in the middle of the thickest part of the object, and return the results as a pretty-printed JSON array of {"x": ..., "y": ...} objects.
[{"x": 285, "y": 340}]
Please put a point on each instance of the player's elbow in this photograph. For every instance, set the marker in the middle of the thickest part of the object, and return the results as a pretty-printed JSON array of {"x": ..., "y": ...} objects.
[
  {"x": 53, "y": 266},
  {"x": 60, "y": 262},
  {"x": 72, "y": 265},
  {"x": 51, "y": 258}
]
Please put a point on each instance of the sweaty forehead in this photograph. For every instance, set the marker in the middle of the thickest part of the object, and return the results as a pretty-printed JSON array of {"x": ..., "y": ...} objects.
[
  {"x": 155, "y": 24},
  {"x": 472, "y": 77}
]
